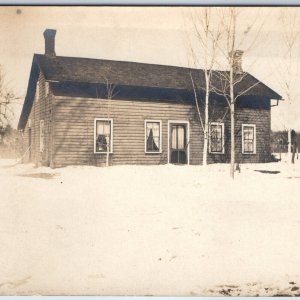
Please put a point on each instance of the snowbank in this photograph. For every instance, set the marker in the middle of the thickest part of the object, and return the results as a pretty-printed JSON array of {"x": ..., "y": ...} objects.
[{"x": 156, "y": 230}]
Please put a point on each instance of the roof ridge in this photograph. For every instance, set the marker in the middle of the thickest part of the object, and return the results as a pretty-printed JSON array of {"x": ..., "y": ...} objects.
[{"x": 126, "y": 61}]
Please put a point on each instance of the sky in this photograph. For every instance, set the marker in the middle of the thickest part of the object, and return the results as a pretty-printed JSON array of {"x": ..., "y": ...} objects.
[{"x": 157, "y": 35}]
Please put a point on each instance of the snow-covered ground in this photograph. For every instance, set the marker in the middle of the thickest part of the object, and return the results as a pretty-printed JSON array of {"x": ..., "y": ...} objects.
[{"x": 156, "y": 230}]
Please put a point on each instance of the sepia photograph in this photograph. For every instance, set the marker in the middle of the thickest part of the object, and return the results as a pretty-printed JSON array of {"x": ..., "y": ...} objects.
[{"x": 149, "y": 151}]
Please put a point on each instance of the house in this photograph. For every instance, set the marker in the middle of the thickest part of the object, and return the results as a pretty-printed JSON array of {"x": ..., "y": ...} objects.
[{"x": 86, "y": 111}]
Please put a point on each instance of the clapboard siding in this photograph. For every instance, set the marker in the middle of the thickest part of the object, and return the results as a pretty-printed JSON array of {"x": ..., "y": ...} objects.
[
  {"x": 41, "y": 110},
  {"x": 74, "y": 130},
  {"x": 69, "y": 130},
  {"x": 261, "y": 118}
]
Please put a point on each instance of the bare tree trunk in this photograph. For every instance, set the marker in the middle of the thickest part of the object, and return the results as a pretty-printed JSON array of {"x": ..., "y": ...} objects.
[
  {"x": 232, "y": 102},
  {"x": 232, "y": 139},
  {"x": 294, "y": 153},
  {"x": 110, "y": 89},
  {"x": 110, "y": 94},
  {"x": 289, "y": 154},
  {"x": 206, "y": 133},
  {"x": 107, "y": 156}
]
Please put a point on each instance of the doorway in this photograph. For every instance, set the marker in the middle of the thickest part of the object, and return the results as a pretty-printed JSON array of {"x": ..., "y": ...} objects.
[{"x": 178, "y": 143}]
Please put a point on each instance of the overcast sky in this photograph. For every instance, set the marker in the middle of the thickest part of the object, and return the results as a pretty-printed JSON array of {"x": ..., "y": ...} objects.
[{"x": 144, "y": 34}]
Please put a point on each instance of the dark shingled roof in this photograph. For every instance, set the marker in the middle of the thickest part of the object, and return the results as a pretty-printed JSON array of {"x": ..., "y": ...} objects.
[{"x": 158, "y": 81}]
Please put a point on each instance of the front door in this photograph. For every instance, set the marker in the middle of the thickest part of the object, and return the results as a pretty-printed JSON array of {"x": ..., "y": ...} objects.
[{"x": 178, "y": 144}]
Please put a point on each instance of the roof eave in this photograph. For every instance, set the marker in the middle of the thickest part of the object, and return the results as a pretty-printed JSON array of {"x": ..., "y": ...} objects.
[{"x": 29, "y": 98}]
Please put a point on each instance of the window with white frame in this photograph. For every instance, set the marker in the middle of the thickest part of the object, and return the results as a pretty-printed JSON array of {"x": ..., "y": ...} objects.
[
  {"x": 216, "y": 138},
  {"x": 103, "y": 138},
  {"x": 248, "y": 139},
  {"x": 42, "y": 132},
  {"x": 152, "y": 136}
]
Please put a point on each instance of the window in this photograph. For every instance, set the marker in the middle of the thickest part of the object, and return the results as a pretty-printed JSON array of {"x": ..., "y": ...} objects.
[
  {"x": 248, "y": 139},
  {"x": 103, "y": 142},
  {"x": 42, "y": 123},
  {"x": 216, "y": 138},
  {"x": 152, "y": 136}
]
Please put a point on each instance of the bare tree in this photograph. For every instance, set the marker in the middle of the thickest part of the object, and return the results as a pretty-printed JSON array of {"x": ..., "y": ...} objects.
[
  {"x": 203, "y": 49},
  {"x": 228, "y": 82},
  {"x": 219, "y": 42},
  {"x": 7, "y": 100},
  {"x": 287, "y": 69}
]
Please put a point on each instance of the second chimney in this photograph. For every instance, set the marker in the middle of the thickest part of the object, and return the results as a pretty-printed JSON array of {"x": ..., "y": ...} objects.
[
  {"x": 49, "y": 35},
  {"x": 237, "y": 61}
]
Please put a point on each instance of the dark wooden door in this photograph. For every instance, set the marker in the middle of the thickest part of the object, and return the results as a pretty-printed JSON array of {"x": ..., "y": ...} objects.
[{"x": 178, "y": 144}]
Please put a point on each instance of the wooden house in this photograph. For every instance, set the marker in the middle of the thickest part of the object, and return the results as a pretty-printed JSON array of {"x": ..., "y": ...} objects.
[{"x": 81, "y": 111}]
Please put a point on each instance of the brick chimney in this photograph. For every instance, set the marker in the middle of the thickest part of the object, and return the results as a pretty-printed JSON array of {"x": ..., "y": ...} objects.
[
  {"x": 237, "y": 61},
  {"x": 49, "y": 35}
]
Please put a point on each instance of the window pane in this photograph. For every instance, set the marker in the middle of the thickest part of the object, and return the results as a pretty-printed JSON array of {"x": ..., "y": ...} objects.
[
  {"x": 152, "y": 136},
  {"x": 155, "y": 127},
  {"x": 216, "y": 146},
  {"x": 248, "y": 147},
  {"x": 106, "y": 129},
  {"x": 219, "y": 132},
  {"x": 213, "y": 129},
  {"x": 180, "y": 137},
  {"x": 250, "y": 134},
  {"x": 174, "y": 137},
  {"x": 148, "y": 128},
  {"x": 246, "y": 135}
]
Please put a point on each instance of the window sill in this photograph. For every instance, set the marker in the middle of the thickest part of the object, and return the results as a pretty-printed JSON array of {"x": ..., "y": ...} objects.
[
  {"x": 103, "y": 152},
  {"x": 160, "y": 152},
  {"x": 216, "y": 152}
]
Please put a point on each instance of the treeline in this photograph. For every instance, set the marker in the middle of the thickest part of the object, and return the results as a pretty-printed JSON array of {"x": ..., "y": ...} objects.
[
  {"x": 10, "y": 141},
  {"x": 279, "y": 141}
]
